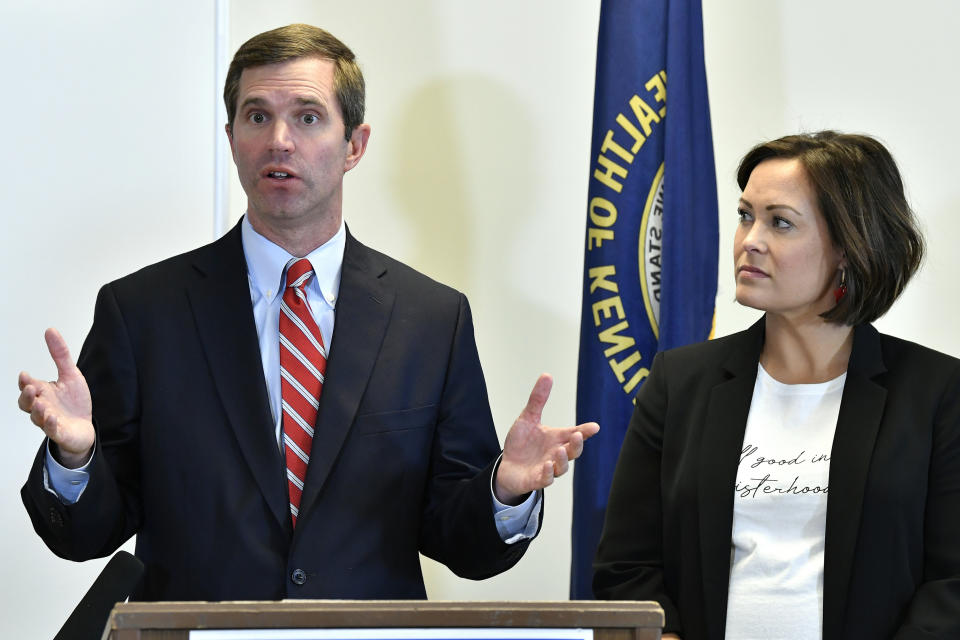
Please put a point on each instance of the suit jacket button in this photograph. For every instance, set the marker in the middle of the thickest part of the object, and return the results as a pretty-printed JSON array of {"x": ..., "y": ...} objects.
[{"x": 299, "y": 576}]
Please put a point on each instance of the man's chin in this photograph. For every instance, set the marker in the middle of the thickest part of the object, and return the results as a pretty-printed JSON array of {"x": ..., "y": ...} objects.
[{"x": 282, "y": 217}]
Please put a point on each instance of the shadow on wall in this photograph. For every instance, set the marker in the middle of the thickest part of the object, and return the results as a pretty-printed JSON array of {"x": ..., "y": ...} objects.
[
  {"x": 461, "y": 175},
  {"x": 467, "y": 178}
]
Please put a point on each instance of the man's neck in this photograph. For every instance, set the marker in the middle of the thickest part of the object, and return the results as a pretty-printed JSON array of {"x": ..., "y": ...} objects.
[{"x": 298, "y": 239}]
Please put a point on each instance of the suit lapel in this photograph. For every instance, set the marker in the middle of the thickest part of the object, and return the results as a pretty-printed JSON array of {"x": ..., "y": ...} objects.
[
  {"x": 719, "y": 457},
  {"x": 220, "y": 300},
  {"x": 362, "y": 316},
  {"x": 858, "y": 422}
]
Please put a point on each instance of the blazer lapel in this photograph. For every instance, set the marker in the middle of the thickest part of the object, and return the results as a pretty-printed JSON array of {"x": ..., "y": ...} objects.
[
  {"x": 861, "y": 410},
  {"x": 222, "y": 309},
  {"x": 720, "y": 450},
  {"x": 362, "y": 316}
]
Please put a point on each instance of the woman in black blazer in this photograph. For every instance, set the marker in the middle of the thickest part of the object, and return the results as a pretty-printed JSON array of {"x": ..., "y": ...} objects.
[{"x": 743, "y": 540}]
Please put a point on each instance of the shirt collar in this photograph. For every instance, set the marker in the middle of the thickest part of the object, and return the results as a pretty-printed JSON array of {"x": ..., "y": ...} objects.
[{"x": 266, "y": 261}]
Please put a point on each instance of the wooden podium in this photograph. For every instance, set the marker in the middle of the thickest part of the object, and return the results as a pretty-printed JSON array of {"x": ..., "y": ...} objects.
[{"x": 175, "y": 620}]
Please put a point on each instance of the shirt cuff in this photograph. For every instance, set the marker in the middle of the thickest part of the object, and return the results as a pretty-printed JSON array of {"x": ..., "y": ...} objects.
[
  {"x": 516, "y": 522},
  {"x": 66, "y": 484}
]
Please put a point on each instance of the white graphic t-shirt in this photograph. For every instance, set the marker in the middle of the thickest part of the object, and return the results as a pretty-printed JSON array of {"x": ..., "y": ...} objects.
[{"x": 780, "y": 511}]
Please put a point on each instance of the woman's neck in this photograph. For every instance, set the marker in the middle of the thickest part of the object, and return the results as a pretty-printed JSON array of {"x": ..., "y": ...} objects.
[{"x": 805, "y": 352}]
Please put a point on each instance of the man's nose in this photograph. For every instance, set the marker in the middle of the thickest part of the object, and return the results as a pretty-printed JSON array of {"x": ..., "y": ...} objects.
[{"x": 281, "y": 138}]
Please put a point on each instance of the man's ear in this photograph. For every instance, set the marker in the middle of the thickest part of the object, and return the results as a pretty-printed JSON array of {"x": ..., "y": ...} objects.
[
  {"x": 229, "y": 131},
  {"x": 356, "y": 146}
]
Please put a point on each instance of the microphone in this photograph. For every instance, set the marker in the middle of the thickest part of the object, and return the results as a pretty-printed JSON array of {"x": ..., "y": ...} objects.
[{"x": 114, "y": 584}]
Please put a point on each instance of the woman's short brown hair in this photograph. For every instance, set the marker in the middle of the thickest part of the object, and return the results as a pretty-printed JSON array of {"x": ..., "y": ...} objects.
[
  {"x": 860, "y": 193},
  {"x": 300, "y": 41}
]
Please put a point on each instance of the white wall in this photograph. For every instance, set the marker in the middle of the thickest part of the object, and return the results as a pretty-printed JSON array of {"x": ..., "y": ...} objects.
[
  {"x": 106, "y": 162},
  {"x": 476, "y": 174}
]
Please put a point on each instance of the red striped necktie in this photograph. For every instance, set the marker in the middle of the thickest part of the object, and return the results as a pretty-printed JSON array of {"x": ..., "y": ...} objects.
[{"x": 303, "y": 360}]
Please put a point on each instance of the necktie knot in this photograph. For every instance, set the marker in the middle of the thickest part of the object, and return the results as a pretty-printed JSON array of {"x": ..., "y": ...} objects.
[{"x": 299, "y": 272}]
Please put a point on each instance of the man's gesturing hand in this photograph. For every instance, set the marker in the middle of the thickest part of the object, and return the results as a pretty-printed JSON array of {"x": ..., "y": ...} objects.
[
  {"x": 533, "y": 453},
  {"x": 62, "y": 408}
]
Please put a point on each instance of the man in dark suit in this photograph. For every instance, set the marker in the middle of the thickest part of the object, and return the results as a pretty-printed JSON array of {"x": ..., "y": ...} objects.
[{"x": 176, "y": 424}]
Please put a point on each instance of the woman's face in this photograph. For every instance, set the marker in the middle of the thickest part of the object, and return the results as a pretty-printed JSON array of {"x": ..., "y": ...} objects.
[{"x": 784, "y": 260}]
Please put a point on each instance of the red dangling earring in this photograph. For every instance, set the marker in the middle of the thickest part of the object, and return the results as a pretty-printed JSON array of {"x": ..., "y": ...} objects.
[{"x": 841, "y": 291}]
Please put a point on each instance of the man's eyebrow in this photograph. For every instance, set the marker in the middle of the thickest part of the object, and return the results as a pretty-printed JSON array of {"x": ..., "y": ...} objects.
[
  {"x": 253, "y": 101},
  {"x": 307, "y": 101}
]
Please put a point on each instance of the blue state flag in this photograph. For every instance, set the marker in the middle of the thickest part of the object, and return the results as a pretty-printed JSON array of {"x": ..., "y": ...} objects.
[{"x": 650, "y": 268}]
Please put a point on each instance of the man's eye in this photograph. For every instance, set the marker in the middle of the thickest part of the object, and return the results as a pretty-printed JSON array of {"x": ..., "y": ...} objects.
[
  {"x": 257, "y": 118},
  {"x": 309, "y": 118}
]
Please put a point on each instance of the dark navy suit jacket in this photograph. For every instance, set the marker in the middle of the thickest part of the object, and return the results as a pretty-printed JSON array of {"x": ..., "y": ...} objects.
[{"x": 187, "y": 457}]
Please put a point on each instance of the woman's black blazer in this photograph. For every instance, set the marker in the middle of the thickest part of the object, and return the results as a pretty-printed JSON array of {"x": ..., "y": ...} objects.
[{"x": 892, "y": 548}]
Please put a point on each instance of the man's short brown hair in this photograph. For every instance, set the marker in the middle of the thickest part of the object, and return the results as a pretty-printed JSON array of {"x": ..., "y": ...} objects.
[
  {"x": 300, "y": 41},
  {"x": 860, "y": 193}
]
